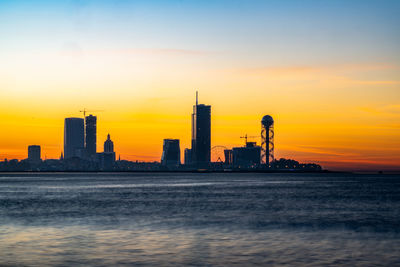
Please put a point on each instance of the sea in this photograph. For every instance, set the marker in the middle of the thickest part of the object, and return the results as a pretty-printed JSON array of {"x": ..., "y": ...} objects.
[{"x": 199, "y": 219}]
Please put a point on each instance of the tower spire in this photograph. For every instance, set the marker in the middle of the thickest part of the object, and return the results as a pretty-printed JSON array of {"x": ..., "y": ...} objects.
[{"x": 197, "y": 98}]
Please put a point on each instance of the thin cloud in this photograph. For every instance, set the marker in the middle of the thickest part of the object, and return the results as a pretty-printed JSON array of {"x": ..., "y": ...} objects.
[
  {"x": 312, "y": 69},
  {"x": 381, "y": 82},
  {"x": 281, "y": 71},
  {"x": 73, "y": 50},
  {"x": 393, "y": 110},
  {"x": 149, "y": 51},
  {"x": 327, "y": 151},
  {"x": 325, "y": 75}
]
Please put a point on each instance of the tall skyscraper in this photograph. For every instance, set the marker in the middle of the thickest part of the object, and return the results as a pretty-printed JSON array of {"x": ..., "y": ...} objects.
[
  {"x": 201, "y": 134},
  {"x": 90, "y": 136},
  {"x": 171, "y": 152},
  {"x": 74, "y": 135},
  {"x": 34, "y": 154}
]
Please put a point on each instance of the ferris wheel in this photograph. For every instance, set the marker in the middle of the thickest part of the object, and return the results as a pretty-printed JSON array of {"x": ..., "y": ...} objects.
[{"x": 218, "y": 154}]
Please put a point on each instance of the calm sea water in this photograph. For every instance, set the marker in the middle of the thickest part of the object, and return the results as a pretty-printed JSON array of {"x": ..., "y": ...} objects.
[{"x": 199, "y": 219}]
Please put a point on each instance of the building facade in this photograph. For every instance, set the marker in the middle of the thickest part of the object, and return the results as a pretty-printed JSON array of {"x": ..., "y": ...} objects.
[
  {"x": 228, "y": 156},
  {"x": 74, "y": 135},
  {"x": 188, "y": 156},
  {"x": 107, "y": 158},
  {"x": 247, "y": 157},
  {"x": 201, "y": 134},
  {"x": 108, "y": 145},
  {"x": 90, "y": 136},
  {"x": 171, "y": 155},
  {"x": 34, "y": 154}
]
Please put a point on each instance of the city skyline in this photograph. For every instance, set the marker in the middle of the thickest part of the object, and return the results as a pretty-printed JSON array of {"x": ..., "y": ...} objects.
[
  {"x": 80, "y": 152},
  {"x": 327, "y": 72}
]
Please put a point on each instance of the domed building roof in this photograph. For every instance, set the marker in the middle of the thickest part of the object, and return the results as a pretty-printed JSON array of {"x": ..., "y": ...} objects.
[
  {"x": 267, "y": 120},
  {"x": 108, "y": 145}
]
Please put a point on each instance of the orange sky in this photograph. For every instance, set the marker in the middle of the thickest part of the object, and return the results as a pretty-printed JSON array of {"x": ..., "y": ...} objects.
[{"x": 322, "y": 113}]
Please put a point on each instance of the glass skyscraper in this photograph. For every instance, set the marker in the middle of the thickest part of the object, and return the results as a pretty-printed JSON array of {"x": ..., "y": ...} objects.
[
  {"x": 74, "y": 134},
  {"x": 90, "y": 136},
  {"x": 201, "y": 134},
  {"x": 171, "y": 154}
]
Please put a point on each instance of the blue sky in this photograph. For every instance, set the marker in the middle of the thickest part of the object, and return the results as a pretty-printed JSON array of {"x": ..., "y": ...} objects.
[{"x": 285, "y": 32}]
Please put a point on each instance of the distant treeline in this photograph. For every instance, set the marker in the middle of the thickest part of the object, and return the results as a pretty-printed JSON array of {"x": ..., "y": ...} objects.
[{"x": 78, "y": 164}]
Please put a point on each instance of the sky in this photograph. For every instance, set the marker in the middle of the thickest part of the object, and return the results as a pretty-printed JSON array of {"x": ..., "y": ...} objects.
[{"x": 328, "y": 72}]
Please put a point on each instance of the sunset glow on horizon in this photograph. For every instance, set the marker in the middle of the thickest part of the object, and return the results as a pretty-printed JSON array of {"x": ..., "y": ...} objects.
[{"x": 328, "y": 72}]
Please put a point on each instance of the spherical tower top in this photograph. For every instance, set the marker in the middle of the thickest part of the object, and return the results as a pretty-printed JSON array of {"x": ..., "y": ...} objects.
[{"x": 267, "y": 121}]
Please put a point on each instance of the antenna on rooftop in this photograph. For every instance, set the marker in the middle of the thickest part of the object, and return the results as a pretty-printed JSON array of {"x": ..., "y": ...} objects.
[{"x": 197, "y": 98}]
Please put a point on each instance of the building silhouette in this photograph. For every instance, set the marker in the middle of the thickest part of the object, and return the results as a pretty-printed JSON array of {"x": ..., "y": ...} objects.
[
  {"x": 246, "y": 157},
  {"x": 34, "y": 154},
  {"x": 188, "y": 156},
  {"x": 107, "y": 158},
  {"x": 90, "y": 136},
  {"x": 171, "y": 155},
  {"x": 228, "y": 156},
  {"x": 267, "y": 140},
  {"x": 201, "y": 134},
  {"x": 108, "y": 145},
  {"x": 74, "y": 135}
]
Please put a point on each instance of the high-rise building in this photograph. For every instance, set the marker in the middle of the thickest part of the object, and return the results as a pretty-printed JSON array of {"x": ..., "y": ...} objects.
[
  {"x": 201, "y": 134},
  {"x": 171, "y": 155},
  {"x": 90, "y": 136},
  {"x": 74, "y": 135},
  {"x": 34, "y": 154}
]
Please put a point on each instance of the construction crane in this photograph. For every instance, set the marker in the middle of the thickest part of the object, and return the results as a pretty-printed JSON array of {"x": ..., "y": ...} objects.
[
  {"x": 85, "y": 110},
  {"x": 245, "y": 137}
]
